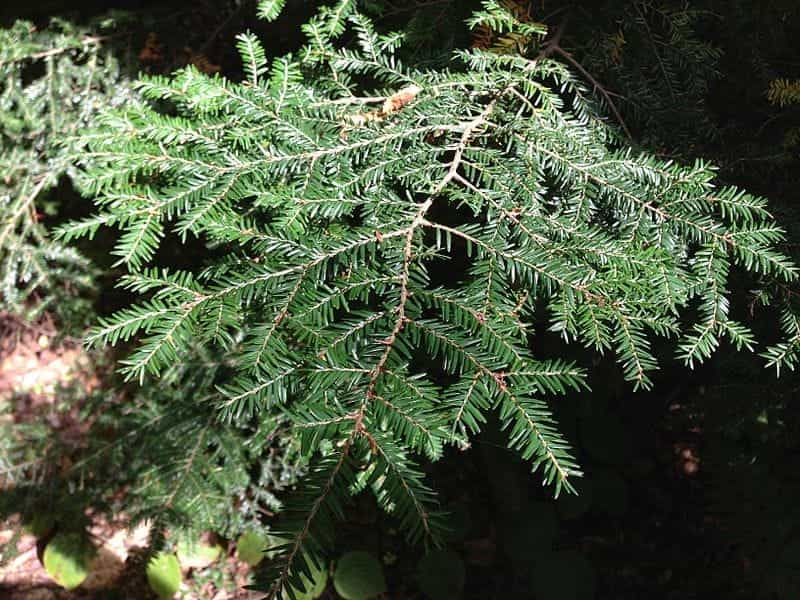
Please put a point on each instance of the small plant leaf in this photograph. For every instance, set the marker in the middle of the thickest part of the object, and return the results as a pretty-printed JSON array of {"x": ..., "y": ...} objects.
[
  {"x": 250, "y": 548},
  {"x": 253, "y": 546},
  {"x": 359, "y": 576},
  {"x": 66, "y": 559},
  {"x": 164, "y": 574}
]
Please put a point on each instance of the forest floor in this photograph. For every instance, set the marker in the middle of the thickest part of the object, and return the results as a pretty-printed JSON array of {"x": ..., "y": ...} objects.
[{"x": 40, "y": 374}]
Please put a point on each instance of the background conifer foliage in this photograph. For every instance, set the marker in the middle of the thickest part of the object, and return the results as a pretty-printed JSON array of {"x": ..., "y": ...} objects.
[
  {"x": 334, "y": 184},
  {"x": 39, "y": 69}
]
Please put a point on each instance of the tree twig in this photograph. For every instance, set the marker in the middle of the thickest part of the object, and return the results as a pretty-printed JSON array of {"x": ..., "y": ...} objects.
[{"x": 553, "y": 46}]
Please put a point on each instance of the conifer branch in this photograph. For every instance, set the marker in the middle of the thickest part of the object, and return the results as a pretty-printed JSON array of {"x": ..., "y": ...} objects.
[{"x": 323, "y": 211}]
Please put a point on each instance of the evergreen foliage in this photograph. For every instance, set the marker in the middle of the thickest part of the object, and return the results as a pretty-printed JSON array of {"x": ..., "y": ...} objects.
[
  {"x": 784, "y": 92},
  {"x": 52, "y": 83},
  {"x": 180, "y": 468},
  {"x": 332, "y": 186},
  {"x": 659, "y": 64},
  {"x": 55, "y": 83}
]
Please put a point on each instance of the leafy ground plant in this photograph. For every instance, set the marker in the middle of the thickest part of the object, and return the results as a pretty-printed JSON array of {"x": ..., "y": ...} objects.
[{"x": 384, "y": 240}]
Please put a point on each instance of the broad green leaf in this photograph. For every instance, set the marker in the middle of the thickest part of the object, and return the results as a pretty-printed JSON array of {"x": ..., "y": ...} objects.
[
  {"x": 253, "y": 546},
  {"x": 66, "y": 559},
  {"x": 359, "y": 576},
  {"x": 164, "y": 574}
]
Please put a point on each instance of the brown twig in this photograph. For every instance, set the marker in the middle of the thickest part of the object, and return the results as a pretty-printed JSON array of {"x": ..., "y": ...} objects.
[
  {"x": 553, "y": 46},
  {"x": 89, "y": 40}
]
